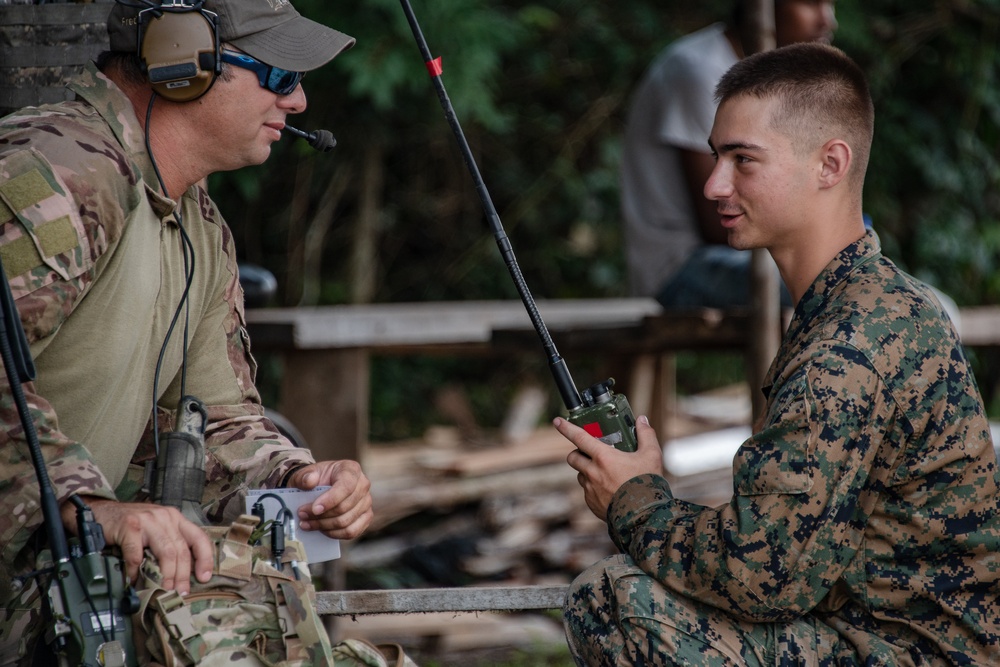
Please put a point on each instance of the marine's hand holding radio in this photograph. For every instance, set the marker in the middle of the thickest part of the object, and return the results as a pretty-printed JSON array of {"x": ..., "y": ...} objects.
[
  {"x": 345, "y": 510},
  {"x": 602, "y": 469},
  {"x": 181, "y": 548}
]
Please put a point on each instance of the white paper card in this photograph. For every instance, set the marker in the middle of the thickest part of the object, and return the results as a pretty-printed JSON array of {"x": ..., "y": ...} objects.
[{"x": 319, "y": 547}]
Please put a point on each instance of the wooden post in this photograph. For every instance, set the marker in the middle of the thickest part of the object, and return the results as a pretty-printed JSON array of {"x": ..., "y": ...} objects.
[
  {"x": 325, "y": 394},
  {"x": 765, "y": 289},
  {"x": 759, "y": 30}
]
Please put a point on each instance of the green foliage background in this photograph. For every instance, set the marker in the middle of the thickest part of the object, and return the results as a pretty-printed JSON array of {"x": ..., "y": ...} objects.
[{"x": 541, "y": 88}]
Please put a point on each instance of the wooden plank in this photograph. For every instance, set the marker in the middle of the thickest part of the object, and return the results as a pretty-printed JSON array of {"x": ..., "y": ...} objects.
[
  {"x": 325, "y": 394},
  {"x": 980, "y": 326},
  {"x": 453, "y": 639},
  {"x": 706, "y": 328},
  {"x": 270, "y": 335},
  {"x": 430, "y": 325},
  {"x": 659, "y": 332},
  {"x": 577, "y": 324},
  {"x": 416, "y": 600},
  {"x": 393, "y": 504},
  {"x": 544, "y": 446}
]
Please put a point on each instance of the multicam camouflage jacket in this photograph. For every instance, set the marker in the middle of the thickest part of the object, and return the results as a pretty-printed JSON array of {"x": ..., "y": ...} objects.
[
  {"x": 94, "y": 256},
  {"x": 869, "y": 497}
]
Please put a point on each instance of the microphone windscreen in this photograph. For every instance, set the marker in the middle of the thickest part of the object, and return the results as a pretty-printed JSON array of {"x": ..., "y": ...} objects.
[{"x": 323, "y": 140}]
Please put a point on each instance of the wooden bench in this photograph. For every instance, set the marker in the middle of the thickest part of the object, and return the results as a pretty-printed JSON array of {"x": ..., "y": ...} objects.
[
  {"x": 326, "y": 351},
  {"x": 418, "y": 600}
]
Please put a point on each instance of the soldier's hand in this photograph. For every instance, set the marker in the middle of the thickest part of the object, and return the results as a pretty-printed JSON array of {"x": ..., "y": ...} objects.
[
  {"x": 181, "y": 548},
  {"x": 344, "y": 511},
  {"x": 603, "y": 469}
]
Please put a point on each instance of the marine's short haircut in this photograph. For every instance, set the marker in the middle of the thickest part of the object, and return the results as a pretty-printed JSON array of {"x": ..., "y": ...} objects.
[{"x": 822, "y": 94}]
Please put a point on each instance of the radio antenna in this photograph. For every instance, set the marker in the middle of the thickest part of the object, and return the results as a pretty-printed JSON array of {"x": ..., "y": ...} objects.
[
  {"x": 20, "y": 369},
  {"x": 598, "y": 410},
  {"x": 560, "y": 372}
]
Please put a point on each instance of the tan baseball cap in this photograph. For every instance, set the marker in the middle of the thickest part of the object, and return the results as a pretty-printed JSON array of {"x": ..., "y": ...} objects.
[{"x": 271, "y": 31}]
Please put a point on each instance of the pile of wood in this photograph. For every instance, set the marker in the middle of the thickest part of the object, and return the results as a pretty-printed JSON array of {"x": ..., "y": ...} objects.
[
  {"x": 460, "y": 506},
  {"x": 449, "y": 516}
]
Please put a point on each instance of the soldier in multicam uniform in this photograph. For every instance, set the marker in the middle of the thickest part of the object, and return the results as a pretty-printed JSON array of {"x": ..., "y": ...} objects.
[
  {"x": 864, "y": 528},
  {"x": 91, "y": 244}
]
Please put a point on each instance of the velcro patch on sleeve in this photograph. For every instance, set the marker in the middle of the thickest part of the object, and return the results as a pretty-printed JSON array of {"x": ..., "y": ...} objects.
[
  {"x": 19, "y": 256},
  {"x": 26, "y": 190},
  {"x": 40, "y": 211},
  {"x": 6, "y": 215},
  {"x": 57, "y": 236}
]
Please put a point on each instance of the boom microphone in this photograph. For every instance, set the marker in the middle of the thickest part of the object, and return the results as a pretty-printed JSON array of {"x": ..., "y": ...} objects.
[{"x": 321, "y": 140}]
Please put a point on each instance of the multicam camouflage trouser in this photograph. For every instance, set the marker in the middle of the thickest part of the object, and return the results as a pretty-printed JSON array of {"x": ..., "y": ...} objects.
[
  {"x": 617, "y": 615},
  {"x": 20, "y": 625}
]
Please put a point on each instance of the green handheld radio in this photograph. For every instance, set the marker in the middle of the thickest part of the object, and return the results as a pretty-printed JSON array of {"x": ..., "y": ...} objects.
[
  {"x": 607, "y": 416},
  {"x": 598, "y": 410},
  {"x": 87, "y": 601}
]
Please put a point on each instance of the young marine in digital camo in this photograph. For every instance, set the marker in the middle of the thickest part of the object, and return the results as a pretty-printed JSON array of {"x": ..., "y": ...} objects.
[{"x": 864, "y": 526}]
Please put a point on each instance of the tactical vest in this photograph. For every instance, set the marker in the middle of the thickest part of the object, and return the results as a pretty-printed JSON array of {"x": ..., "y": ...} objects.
[{"x": 253, "y": 611}]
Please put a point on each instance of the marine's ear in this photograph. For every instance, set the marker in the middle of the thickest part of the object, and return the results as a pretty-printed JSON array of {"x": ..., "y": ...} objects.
[{"x": 836, "y": 158}]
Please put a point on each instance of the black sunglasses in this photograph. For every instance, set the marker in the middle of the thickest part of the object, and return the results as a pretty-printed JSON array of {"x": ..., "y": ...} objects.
[{"x": 277, "y": 80}]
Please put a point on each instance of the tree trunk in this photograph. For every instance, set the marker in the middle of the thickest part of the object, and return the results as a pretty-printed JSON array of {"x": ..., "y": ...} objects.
[
  {"x": 315, "y": 235},
  {"x": 364, "y": 260}
]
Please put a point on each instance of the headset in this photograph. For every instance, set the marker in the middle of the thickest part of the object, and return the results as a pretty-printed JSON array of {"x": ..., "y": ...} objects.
[{"x": 178, "y": 45}]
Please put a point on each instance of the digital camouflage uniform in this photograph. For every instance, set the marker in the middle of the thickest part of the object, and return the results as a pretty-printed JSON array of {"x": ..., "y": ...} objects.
[
  {"x": 93, "y": 253},
  {"x": 865, "y": 523}
]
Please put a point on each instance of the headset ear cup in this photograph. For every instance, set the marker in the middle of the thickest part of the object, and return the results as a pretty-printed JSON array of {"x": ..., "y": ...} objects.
[{"x": 173, "y": 48}]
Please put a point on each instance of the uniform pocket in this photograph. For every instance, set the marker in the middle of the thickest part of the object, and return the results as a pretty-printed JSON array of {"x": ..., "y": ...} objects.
[{"x": 42, "y": 236}]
